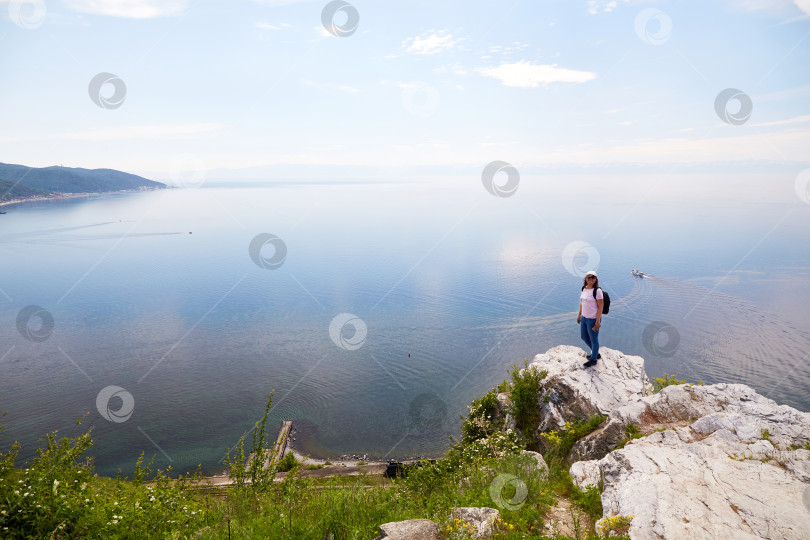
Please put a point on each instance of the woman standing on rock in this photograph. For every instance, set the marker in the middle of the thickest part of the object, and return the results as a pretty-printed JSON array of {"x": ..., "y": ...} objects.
[{"x": 590, "y": 316}]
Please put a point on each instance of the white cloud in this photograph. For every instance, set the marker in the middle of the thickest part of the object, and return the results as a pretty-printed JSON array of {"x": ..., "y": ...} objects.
[
  {"x": 773, "y": 6},
  {"x": 146, "y": 131},
  {"x": 268, "y": 26},
  {"x": 797, "y": 93},
  {"x": 456, "y": 69},
  {"x": 330, "y": 86},
  {"x": 430, "y": 43},
  {"x": 273, "y": 3},
  {"x": 525, "y": 74},
  {"x": 605, "y": 6},
  {"x": 795, "y": 120},
  {"x": 505, "y": 49},
  {"x": 131, "y": 9}
]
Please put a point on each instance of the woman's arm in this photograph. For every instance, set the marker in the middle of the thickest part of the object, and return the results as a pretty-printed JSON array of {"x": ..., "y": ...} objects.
[
  {"x": 600, "y": 304},
  {"x": 579, "y": 315}
]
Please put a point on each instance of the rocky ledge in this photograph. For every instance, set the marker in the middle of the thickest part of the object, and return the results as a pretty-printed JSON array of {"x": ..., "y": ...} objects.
[{"x": 714, "y": 461}]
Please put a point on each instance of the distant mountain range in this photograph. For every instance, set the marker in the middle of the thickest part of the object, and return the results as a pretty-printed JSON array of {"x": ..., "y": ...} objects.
[{"x": 21, "y": 182}]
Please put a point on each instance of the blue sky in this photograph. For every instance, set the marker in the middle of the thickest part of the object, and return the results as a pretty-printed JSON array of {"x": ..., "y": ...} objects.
[{"x": 212, "y": 86}]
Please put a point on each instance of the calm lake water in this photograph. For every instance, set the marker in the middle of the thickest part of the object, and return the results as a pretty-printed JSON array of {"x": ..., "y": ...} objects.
[{"x": 157, "y": 293}]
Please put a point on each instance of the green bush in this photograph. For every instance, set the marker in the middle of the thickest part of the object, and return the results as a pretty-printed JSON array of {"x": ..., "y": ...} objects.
[
  {"x": 524, "y": 391},
  {"x": 252, "y": 474},
  {"x": 287, "y": 463},
  {"x": 58, "y": 496},
  {"x": 481, "y": 418},
  {"x": 558, "y": 444},
  {"x": 659, "y": 383},
  {"x": 590, "y": 500}
]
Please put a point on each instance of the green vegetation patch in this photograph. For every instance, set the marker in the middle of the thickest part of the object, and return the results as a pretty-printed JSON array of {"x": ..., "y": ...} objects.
[
  {"x": 558, "y": 443},
  {"x": 58, "y": 496},
  {"x": 659, "y": 383},
  {"x": 287, "y": 463},
  {"x": 523, "y": 393},
  {"x": 631, "y": 431}
]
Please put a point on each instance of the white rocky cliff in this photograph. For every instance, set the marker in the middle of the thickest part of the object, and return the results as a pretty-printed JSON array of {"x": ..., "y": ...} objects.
[{"x": 718, "y": 461}]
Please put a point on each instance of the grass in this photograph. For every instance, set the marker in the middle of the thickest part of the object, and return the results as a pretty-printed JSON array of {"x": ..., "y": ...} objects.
[
  {"x": 57, "y": 496},
  {"x": 69, "y": 502}
]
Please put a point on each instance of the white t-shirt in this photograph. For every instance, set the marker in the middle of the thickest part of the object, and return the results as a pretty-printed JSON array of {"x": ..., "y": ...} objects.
[{"x": 589, "y": 305}]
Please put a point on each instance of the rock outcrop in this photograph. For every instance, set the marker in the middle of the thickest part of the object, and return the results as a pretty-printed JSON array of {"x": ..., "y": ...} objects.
[
  {"x": 706, "y": 409},
  {"x": 480, "y": 521},
  {"x": 540, "y": 463},
  {"x": 678, "y": 484},
  {"x": 411, "y": 529},
  {"x": 570, "y": 391},
  {"x": 585, "y": 474},
  {"x": 718, "y": 461}
]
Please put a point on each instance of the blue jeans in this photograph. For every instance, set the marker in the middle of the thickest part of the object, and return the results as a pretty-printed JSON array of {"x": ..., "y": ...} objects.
[{"x": 590, "y": 336}]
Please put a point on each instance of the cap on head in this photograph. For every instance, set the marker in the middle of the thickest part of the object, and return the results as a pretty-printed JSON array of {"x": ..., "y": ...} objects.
[{"x": 591, "y": 273}]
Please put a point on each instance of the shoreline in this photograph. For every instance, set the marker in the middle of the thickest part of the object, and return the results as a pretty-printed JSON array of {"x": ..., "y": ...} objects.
[
  {"x": 55, "y": 197},
  {"x": 343, "y": 460},
  {"x": 349, "y": 460}
]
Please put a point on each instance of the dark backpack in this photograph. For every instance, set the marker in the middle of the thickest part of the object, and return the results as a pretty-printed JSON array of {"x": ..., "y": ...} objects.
[{"x": 605, "y": 300}]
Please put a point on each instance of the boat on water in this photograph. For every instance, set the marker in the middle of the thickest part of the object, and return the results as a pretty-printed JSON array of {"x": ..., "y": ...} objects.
[{"x": 637, "y": 273}]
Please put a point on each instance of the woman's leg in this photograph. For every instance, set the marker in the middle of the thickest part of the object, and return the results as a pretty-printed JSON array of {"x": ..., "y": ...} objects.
[
  {"x": 594, "y": 335},
  {"x": 584, "y": 331}
]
